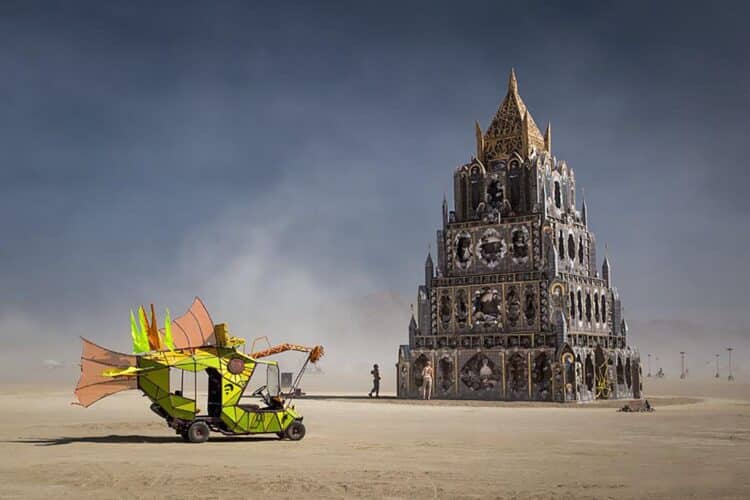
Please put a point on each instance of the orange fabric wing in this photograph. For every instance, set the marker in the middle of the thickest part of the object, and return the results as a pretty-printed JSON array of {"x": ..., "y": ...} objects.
[
  {"x": 93, "y": 386},
  {"x": 195, "y": 328}
]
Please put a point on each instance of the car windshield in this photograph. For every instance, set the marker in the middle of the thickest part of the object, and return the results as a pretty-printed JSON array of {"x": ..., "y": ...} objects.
[{"x": 273, "y": 383}]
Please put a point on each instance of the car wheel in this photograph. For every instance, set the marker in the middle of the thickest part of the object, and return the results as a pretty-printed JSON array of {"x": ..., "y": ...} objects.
[
  {"x": 198, "y": 432},
  {"x": 295, "y": 431}
]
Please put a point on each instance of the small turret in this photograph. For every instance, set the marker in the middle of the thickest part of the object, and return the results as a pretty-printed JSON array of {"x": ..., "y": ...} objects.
[
  {"x": 606, "y": 271},
  {"x": 561, "y": 325},
  {"x": 480, "y": 141},
  {"x": 429, "y": 271},
  {"x": 412, "y": 327},
  {"x": 445, "y": 210},
  {"x": 553, "y": 258},
  {"x": 584, "y": 211}
]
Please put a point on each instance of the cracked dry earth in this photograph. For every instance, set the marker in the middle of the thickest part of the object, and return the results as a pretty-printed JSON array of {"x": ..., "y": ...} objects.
[{"x": 689, "y": 448}]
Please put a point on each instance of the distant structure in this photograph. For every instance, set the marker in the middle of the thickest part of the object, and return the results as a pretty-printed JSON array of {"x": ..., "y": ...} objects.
[
  {"x": 683, "y": 370},
  {"x": 730, "y": 377},
  {"x": 515, "y": 308}
]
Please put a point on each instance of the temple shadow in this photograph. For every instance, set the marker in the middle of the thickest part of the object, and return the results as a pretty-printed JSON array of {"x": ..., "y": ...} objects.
[
  {"x": 339, "y": 396},
  {"x": 136, "y": 439}
]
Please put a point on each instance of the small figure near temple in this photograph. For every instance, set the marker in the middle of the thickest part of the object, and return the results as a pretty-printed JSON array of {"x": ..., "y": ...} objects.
[
  {"x": 427, "y": 381},
  {"x": 375, "y": 372}
]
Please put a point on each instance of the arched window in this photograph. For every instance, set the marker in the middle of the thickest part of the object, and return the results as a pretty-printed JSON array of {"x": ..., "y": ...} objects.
[
  {"x": 561, "y": 246},
  {"x": 580, "y": 306},
  {"x": 572, "y": 305},
  {"x": 514, "y": 178},
  {"x": 604, "y": 308},
  {"x": 475, "y": 188},
  {"x": 558, "y": 196},
  {"x": 571, "y": 247},
  {"x": 588, "y": 307},
  {"x": 620, "y": 371},
  {"x": 589, "y": 371},
  {"x": 580, "y": 250},
  {"x": 463, "y": 203},
  {"x": 596, "y": 307}
]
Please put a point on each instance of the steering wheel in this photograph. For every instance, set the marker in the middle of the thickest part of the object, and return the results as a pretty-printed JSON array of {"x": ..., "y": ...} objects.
[{"x": 259, "y": 392}]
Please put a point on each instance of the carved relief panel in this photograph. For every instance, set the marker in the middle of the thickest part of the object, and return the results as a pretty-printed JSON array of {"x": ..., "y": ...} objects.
[{"x": 486, "y": 309}]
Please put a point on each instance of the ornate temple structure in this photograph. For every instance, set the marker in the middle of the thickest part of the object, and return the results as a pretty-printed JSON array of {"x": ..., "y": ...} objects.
[{"x": 516, "y": 308}]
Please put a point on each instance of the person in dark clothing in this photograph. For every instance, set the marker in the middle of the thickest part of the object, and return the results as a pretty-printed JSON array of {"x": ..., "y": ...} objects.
[{"x": 375, "y": 372}]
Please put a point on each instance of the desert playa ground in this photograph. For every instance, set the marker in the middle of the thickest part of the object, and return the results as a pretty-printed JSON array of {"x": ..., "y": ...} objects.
[{"x": 694, "y": 446}]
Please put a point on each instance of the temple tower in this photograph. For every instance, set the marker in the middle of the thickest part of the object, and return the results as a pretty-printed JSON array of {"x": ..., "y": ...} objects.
[{"x": 515, "y": 308}]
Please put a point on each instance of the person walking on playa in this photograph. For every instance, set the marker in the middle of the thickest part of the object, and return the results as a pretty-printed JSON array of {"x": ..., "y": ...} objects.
[
  {"x": 375, "y": 372},
  {"x": 427, "y": 380}
]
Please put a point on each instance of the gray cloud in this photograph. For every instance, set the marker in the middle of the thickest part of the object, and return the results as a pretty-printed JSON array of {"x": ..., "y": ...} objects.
[{"x": 288, "y": 164}]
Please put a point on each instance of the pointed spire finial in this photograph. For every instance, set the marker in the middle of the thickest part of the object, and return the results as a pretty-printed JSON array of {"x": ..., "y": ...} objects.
[
  {"x": 548, "y": 138},
  {"x": 512, "y": 82},
  {"x": 584, "y": 209},
  {"x": 480, "y": 141},
  {"x": 606, "y": 269}
]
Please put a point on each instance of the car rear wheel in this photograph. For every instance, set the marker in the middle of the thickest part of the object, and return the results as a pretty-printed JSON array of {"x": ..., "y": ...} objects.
[
  {"x": 295, "y": 431},
  {"x": 198, "y": 432}
]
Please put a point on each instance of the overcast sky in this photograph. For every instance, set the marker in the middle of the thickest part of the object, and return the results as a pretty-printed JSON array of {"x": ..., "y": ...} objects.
[{"x": 287, "y": 162}]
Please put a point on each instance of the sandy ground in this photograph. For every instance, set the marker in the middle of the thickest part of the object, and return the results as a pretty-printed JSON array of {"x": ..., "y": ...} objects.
[{"x": 688, "y": 448}]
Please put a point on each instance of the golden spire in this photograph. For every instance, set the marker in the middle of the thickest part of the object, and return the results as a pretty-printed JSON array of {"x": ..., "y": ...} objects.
[
  {"x": 480, "y": 141},
  {"x": 513, "y": 129},
  {"x": 525, "y": 131},
  {"x": 512, "y": 82}
]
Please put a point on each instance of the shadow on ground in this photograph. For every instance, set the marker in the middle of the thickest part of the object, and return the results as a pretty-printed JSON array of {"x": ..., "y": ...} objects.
[{"x": 133, "y": 439}]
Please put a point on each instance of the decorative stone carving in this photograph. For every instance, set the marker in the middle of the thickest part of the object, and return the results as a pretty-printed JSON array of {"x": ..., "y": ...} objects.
[
  {"x": 495, "y": 193},
  {"x": 462, "y": 308},
  {"x": 520, "y": 245},
  {"x": 463, "y": 255},
  {"x": 541, "y": 375},
  {"x": 480, "y": 373},
  {"x": 491, "y": 248},
  {"x": 445, "y": 373},
  {"x": 513, "y": 300},
  {"x": 529, "y": 309},
  {"x": 486, "y": 306},
  {"x": 517, "y": 378},
  {"x": 445, "y": 309}
]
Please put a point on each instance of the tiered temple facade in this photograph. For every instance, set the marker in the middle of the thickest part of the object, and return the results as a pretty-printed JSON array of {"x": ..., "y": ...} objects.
[{"x": 516, "y": 308}]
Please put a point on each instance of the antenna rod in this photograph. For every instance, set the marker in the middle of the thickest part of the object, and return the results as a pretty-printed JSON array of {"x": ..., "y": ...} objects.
[{"x": 682, "y": 363}]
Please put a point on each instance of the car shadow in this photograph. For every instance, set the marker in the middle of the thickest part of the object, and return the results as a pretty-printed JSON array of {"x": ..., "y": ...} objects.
[{"x": 136, "y": 439}]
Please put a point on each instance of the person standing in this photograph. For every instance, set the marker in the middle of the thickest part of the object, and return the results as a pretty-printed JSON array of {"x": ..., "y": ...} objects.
[
  {"x": 375, "y": 372},
  {"x": 427, "y": 380}
]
